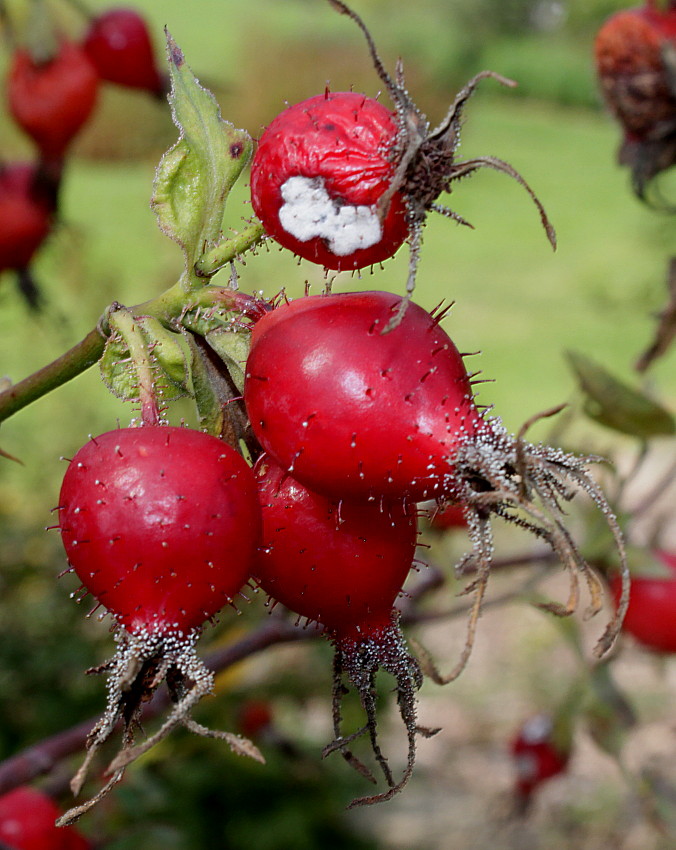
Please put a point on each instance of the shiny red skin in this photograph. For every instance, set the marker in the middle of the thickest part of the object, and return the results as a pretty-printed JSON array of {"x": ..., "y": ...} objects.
[
  {"x": 160, "y": 524},
  {"x": 536, "y": 761},
  {"x": 344, "y": 138},
  {"x": 27, "y": 823},
  {"x": 353, "y": 412},
  {"x": 334, "y": 561},
  {"x": 25, "y": 217},
  {"x": 651, "y": 616},
  {"x": 52, "y": 101},
  {"x": 120, "y": 48},
  {"x": 630, "y": 66},
  {"x": 450, "y": 516}
]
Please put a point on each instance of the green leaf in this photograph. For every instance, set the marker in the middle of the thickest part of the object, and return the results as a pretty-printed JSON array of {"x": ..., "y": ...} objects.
[
  {"x": 216, "y": 396},
  {"x": 616, "y": 405},
  {"x": 207, "y": 400},
  {"x": 195, "y": 176},
  {"x": 233, "y": 349},
  {"x": 166, "y": 356}
]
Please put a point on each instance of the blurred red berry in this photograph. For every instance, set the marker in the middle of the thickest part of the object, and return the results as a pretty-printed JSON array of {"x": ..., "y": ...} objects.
[
  {"x": 651, "y": 616},
  {"x": 25, "y": 215},
  {"x": 27, "y": 823},
  {"x": 537, "y": 757},
  {"x": 51, "y": 101},
  {"x": 629, "y": 50},
  {"x": 119, "y": 46},
  {"x": 635, "y": 53},
  {"x": 254, "y": 717}
]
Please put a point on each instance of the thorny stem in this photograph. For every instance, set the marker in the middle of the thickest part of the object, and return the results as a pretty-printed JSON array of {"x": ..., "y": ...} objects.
[{"x": 218, "y": 257}]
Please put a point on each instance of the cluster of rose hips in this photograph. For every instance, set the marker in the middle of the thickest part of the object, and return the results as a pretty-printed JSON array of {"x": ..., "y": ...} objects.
[
  {"x": 635, "y": 52},
  {"x": 359, "y": 411},
  {"x": 51, "y": 90}
]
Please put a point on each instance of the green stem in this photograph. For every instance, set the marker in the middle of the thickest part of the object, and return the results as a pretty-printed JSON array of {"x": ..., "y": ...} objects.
[
  {"x": 86, "y": 353},
  {"x": 222, "y": 254},
  {"x": 75, "y": 361},
  {"x": 167, "y": 307}
]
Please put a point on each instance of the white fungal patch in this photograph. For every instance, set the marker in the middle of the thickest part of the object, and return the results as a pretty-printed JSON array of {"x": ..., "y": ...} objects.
[{"x": 309, "y": 211}]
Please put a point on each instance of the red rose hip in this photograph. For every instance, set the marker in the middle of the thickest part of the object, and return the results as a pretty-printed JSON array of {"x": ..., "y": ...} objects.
[
  {"x": 355, "y": 408},
  {"x": 338, "y": 562},
  {"x": 632, "y": 70},
  {"x": 25, "y": 215},
  {"x": 651, "y": 615},
  {"x": 119, "y": 46},
  {"x": 160, "y": 524},
  {"x": 343, "y": 563},
  {"x": 635, "y": 55},
  {"x": 352, "y": 411},
  {"x": 317, "y": 177},
  {"x": 27, "y": 818},
  {"x": 343, "y": 181},
  {"x": 51, "y": 101}
]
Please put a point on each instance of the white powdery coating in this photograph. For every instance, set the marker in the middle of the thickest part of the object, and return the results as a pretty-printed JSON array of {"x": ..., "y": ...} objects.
[{"x": 308, "y": 211}]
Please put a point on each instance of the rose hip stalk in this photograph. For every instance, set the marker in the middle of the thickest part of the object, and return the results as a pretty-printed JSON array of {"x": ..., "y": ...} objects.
[
  {"x": 161, "y": 525},
  {"x": 342, "y": 181},
  {"x": 353, "y": 412},
  {"x": 342, "y": 564}
]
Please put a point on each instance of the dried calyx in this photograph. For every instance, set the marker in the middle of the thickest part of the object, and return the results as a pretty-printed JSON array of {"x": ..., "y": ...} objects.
[
  {"x": 424, "y": 159},
  {"x": 142, "y": 662},
  {"x": 498, "y": 474}
]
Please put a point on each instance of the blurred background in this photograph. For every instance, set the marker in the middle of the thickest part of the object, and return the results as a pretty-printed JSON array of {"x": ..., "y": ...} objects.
[{"x": 518, "y": 303}]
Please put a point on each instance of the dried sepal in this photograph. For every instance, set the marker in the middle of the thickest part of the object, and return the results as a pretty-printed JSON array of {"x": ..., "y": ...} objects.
[
  {"x": 142, "y": 662},
  {"x": 528, "y": 485},
  {"x": 357, "y": 661}
]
